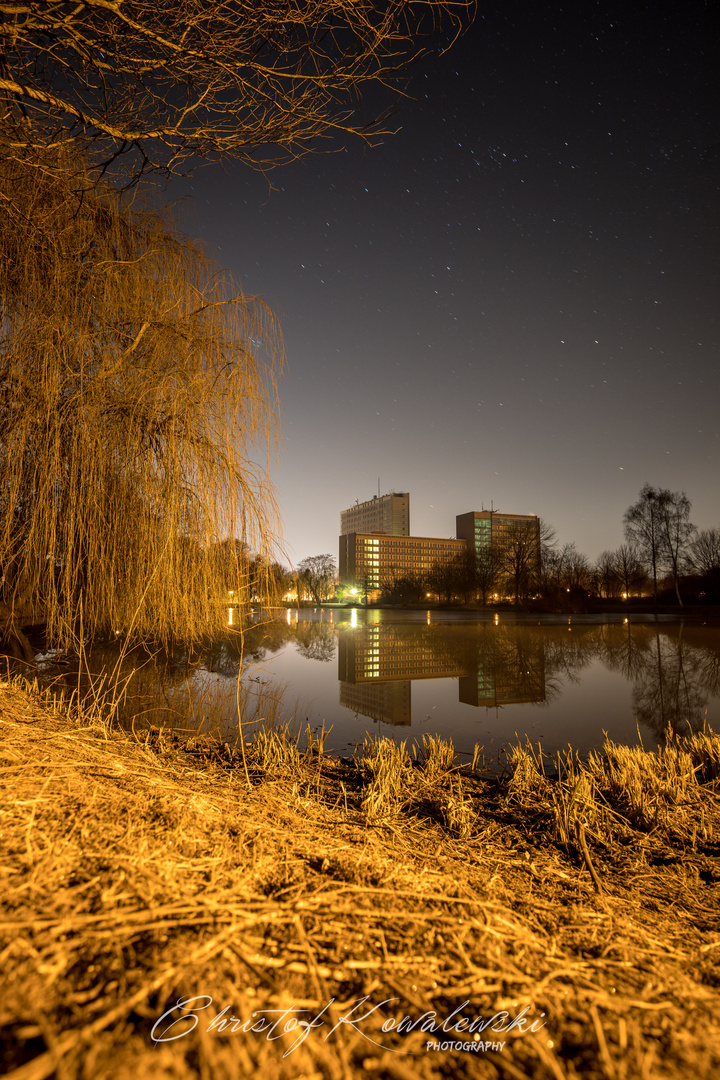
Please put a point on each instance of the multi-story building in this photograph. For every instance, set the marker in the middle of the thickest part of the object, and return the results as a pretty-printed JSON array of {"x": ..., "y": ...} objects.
[
  {"x": 485, "y": 529},
  {"x": 388, "y": 514},
  {"x": 372, "y": 560},
  {"x": 512, "y": 541},
  {"x": 376, "y": 548}
]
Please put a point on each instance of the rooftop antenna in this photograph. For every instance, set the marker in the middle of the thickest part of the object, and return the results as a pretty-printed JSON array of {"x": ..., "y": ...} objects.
[{"x": 378, "y": 487}]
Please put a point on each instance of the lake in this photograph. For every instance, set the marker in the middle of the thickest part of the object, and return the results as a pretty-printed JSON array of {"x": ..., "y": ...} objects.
[{"x": 554, "y": 680}]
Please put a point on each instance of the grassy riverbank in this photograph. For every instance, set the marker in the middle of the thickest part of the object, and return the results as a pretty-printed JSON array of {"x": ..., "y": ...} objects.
[{"x": 136, "y": 873}]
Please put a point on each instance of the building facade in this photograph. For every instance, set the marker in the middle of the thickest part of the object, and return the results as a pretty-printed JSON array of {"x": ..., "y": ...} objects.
[
  {"x": 387, "y": 514},
  {"x": 506, "y": 546},
  {"x": 371, "y": 560},
  {"x": 376, "y": 548},
  {"x": 485, "y": 529}
]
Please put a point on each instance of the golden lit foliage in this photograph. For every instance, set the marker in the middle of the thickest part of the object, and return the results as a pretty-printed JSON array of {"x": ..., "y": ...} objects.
[
  {"x": 185, "y": 78},
  {"x": 137, "y": 413},
  {"x": 135, "y": 389}
]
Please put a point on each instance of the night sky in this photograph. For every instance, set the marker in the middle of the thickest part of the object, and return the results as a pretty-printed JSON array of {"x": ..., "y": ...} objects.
[{"x": 515, "y": 298}]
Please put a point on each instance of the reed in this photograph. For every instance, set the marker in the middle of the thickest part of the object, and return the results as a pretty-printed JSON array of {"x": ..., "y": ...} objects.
[
  {"x": 526, "y": 775},
  {"x": 456, "y": 808},
  {"x": 275, "y": 750},
  {"x": 645, "y": 788},
  {"x": 436, "y": 757},
  {"x": 388, "y": 767}
]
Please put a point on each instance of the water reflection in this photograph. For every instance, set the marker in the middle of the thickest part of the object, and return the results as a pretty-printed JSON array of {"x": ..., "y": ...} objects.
[
  {"x": 494, "y": 666},
  {"x": 673, "y": 670},
  {"x": 582, "y": 677}
]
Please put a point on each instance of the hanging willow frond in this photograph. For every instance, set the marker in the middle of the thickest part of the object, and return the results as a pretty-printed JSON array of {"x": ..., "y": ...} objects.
[{"x": 138, "y": 412}]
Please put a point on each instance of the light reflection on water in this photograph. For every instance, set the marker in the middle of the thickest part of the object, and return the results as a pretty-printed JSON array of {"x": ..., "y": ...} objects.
[{"x": 557, "y": 681}]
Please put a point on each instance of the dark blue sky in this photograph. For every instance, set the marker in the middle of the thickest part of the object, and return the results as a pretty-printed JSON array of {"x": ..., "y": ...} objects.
[{"x": 514, "y": 299}]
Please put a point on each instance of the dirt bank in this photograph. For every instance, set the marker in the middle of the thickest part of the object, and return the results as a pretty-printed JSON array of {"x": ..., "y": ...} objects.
[{"x": 422, "y": 922}]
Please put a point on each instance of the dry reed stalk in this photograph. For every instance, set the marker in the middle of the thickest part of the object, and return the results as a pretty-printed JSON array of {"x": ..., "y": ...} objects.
[
  {"x": 437, "y": 757},
  {"x": 389, "y": 769},
  {"x": 704, "y": 749},
  {"x": 274, "y": 750},
  {"x": 527, "y": 782},
  {"x": 456, "y": 809}
]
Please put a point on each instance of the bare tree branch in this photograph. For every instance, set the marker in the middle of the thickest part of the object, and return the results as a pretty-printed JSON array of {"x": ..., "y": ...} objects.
[{"x": 188, "y": 79}]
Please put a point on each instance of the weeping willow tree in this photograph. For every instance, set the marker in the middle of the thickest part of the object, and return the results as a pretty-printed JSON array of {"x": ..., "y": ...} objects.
[{"x": 137, "y": 414}]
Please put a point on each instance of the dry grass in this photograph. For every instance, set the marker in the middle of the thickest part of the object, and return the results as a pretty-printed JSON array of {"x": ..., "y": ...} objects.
[{"x": 135, "y": 873}]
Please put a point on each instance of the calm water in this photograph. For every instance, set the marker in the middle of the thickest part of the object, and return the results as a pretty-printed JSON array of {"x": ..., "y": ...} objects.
[{"x": 558, "y": 681}]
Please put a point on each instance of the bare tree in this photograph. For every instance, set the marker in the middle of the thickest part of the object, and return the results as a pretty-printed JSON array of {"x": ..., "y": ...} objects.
[
  {"x": 630, "y": 570},
  {"x": 577, "y": 570},
  {"x": 404, "y": 588},
  {"x": 642, "y": 529},
  {"x": 658, "y": 525},
  {"x": 564, "y": 570},
  {"x": 704, "y": 552},
  {"x": 318, "y": 572},
  {"x": 463, "y": 575},
  {"x": 464, "y": 568},
  {"x": 486, "y": 572},
  {"x": 676, "y": 532},
  {"x": 548, "y": 556},
  {"x": 606, "y": 574},
  {"x": 135, "y": 414},
  {"x": 174, "y": 80},
  {"x": 519, "y": 557},
  {"x": 704, "y": 559}
]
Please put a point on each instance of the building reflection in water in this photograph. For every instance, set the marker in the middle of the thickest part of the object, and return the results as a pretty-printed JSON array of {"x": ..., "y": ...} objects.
[
  {"x": 494, "y": 666},
  {"x": 672, "y": 669},
  {"x": 386, "y": 701}
]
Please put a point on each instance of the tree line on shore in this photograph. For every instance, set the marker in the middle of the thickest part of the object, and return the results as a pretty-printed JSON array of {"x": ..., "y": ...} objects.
[{"x": 664, "y": 556}]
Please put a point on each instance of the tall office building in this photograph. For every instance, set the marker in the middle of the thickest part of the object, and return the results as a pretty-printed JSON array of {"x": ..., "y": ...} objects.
[
  {"x": 489, "y": 529},
  {"x": 388, "y": 514}
]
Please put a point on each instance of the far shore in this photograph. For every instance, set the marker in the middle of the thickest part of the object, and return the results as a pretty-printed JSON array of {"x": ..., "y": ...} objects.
[{"x": 635, "y": 609}]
